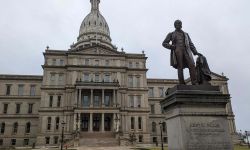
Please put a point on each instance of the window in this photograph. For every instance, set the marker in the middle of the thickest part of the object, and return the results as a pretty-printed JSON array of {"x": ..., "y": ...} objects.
[
  {"x": 8, "y": 89},
  {"x": 107, "y": 78},
  {"x": 2, "y": 128},
  {"x": 161, "y": 93},
  {"x": 52, "y": 77},
  {"x": 106, "y": 62},
  {"x": 60, "y": 78},
  {"x": 1, "y": 142},
  {"x": 56, "y": 140},
  {"x": 152, "y": 109},
  {"x": 18, "y": 107},
  {"x": 26, "y": 142},
  {"x": 85, "y": 101},
  {"x": 130, "y": 81},
  {"x": 139, "y": 123},
  {"x": 57, "y": 123},
  {"x": 97, "y": 62},
  {"x": 53, "y": 62},
  {"x": 154, "y": 139},
  {"x": 140, "y": 138},
  {"x": 15, "y": 127},
  {"x": 13, "y": 142},
  {"x": 32, "y": 90},
  {"x": 59, "y": 101},
  {"x": 61, "y": 62},
  {"x": 137, "y": 65},
  {"x": 107, "y": 100},
  {"x": 5, "y": 108},
  {"x": 151, "y": 92},
  {"x": 137, "y": 81},
  {"x": 153, "y": 127},
  {"x": 51, "y": 101},
  {"x": 47, "y": 139},
  {"x": 20, "y": 89},
  {"x": 132, "y": 126},
  {"x": 49, "y": 123},
  {"x": 27, "y": 128},
  {"x": 96, "y": 101},
  {"x": 130, "y": 64},
  {"x": 30, "y": 109},
  {"x": 165, "y": 139},
  {"x": 97, "y": 77},
  {"x": 164, "y": 127},
  {"x": 131, "y": 101},
  {"x": 86, "y": 77},
  {"x": 138, "y": 101},
  {"x": 86, "y": 61}
]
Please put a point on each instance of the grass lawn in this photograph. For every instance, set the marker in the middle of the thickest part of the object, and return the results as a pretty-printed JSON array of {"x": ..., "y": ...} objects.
[{"x": 165, "y": 148}]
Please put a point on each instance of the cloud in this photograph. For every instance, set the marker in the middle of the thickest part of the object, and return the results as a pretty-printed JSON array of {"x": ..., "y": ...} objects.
[{"x": 219, "y": 29}]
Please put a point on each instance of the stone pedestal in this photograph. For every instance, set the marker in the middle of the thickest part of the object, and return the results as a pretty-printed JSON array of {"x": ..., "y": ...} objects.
[{"x": 196, "y": 118}]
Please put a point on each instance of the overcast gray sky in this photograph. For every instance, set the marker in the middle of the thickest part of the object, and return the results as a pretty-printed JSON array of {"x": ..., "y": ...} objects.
[{"x": 220, "y": 29}]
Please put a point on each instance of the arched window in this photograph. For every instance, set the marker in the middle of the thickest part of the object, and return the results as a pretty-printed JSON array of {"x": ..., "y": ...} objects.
[
  {"x": 2, "y": 128},
  {"x": 164, "y": 127},
  {"x": 27, "y": 128},
  {"x": 153, "y": 127},
  {"x": 15, "y": 127}
]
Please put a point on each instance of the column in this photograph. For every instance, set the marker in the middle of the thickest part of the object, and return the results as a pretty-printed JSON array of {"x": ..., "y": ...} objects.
[
  {"x": 76, "y": 98},
  {"x": 114, "y": 99},
  {"x": 113, "y": 124},
  {"x": 91, "y": 98},
  {"x": 75, "y": 123},
  {"x": 102, "y": 122},
  {"x": 103, "y": 98},
  {"x": 90, "y": 122},
  {"x": 80, "y": 97},
  {"x": 79, "y": 121}
]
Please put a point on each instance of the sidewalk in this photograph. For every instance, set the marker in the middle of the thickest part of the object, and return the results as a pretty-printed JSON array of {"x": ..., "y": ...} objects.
[{"x": 104, "y": 148}]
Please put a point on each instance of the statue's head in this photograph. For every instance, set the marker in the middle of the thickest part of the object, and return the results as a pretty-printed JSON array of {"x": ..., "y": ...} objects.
[{"x": 178, "y": 25}]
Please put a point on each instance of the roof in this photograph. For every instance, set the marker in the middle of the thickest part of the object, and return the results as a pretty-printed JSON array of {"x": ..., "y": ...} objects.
[{"x": 21, "y": 77}]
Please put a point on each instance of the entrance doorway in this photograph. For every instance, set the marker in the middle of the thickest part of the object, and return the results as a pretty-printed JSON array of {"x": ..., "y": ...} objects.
[
  {"x": 96, "y": 122},
  {"x": 107, "y": 123},
  {"x": 84, "y": 122}
]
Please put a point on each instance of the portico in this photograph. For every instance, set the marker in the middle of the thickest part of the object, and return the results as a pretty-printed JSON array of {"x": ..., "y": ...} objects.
[{"x": 97, "y": 107}]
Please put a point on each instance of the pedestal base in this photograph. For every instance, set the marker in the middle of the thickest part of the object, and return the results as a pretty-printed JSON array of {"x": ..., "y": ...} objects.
[{"x": 196, "y": 118}]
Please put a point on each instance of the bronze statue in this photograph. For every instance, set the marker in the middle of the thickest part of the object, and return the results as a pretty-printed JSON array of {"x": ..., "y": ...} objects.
[
  {"x": 203, "y": 71},
  {"x": 181, "y": 48}
]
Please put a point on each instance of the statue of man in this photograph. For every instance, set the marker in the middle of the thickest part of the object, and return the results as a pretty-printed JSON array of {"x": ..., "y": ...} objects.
[{"x": 181, "y": 48}]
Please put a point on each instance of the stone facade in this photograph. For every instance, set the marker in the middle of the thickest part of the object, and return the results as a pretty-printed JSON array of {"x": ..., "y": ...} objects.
[{"x": 92, "y": 88}]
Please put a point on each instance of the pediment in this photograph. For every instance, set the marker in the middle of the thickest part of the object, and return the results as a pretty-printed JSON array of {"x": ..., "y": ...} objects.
[{"x": 99, "y": 51}]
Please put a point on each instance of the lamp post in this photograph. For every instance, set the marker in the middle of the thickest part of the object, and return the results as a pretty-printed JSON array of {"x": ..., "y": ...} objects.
[
  {"x": 162, "y": 148},
  {"x": 247, "y": 139},
  {"x": 63, "y": 123}
]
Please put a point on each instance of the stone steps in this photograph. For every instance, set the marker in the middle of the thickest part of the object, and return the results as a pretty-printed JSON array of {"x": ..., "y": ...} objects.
[{"x": 98, "y": 139}]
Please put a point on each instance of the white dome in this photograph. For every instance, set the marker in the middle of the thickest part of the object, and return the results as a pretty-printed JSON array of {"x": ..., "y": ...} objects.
[
  {"x": 94, "y": 29},
  {"x": 94, "y": 23}
]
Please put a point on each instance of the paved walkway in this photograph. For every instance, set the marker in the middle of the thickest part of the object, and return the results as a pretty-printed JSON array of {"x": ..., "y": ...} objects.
[{"x": 104, "y": 148}]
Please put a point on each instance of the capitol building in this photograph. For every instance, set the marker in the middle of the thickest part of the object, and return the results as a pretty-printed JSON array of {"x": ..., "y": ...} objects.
[{"x": 96, "y": 94}]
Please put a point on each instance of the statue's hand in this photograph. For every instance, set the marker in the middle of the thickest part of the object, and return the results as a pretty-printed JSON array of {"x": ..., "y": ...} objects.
[
  {"x": 199, "y": 54},
  {"x": 173, "y": 47}
]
